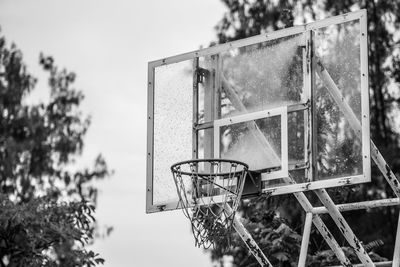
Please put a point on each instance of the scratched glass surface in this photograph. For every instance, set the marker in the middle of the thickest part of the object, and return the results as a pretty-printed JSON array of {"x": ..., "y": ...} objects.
[
  {"x": 262, "y": 76},
  {"x": 339, "y": 148},
  {"x": 173, "y": 109},
  {"x": 257, "y": 143},
  {"x": 297, "y": 175}
]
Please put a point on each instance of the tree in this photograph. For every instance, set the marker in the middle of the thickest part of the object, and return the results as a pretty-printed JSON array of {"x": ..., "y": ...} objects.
[
  {"x": 248, "y": 18},
  {"x": 46, "y": 207}
]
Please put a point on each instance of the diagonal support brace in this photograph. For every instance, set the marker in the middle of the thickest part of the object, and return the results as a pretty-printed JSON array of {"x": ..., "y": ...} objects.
[
  {"x": 344, "y": 227},
  {"x": 249, "y": 241},
  {"x": 323, "y": 230}
]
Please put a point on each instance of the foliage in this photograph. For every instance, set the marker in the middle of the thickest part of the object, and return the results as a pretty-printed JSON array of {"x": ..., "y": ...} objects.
[
  {"x": 32, "y": 232},
  {"x": 328, "y": 258},
  {"x": 271, "y": 233},
  {"x": 47, "y": 206},
  {"x": 246, "y": 18}
]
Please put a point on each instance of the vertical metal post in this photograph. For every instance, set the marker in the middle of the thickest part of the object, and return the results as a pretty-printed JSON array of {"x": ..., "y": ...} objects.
[
  {"x": 217, "y": 86},
  {"x": 313, "y": 111},
  {"x": 330, "y": 240},
  {"x": 195, "y": 108},
  {"x": 306, "y": 239},
  {"x": 385, "y": 169},
  {"x": 344, "y": 227},
  {"x": 309, "y": 114},
  {"x": 307, "y": 99},
  {"x": 396, "y": 253},
  {"x": 209, "y": 112}
]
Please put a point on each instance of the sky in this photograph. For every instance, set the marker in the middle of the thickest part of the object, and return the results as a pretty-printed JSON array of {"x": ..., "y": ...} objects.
[{"x": 108, "y": 44}]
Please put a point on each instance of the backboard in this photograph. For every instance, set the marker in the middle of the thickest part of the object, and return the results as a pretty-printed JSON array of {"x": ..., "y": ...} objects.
[{"x": 275, "y": 101}]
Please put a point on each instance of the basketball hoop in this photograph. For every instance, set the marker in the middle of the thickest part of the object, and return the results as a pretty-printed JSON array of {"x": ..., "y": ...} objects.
[{"x": 209, "y": 193}]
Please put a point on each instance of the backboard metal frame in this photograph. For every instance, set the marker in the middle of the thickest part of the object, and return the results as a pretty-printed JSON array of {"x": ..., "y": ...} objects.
[{"x": 306, "y": 30}]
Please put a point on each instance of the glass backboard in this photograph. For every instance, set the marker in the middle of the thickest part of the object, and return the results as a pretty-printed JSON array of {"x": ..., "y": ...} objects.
[{"x": 292, "y": 104}]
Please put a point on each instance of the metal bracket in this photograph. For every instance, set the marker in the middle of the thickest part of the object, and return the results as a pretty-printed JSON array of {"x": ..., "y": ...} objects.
[
  {"x": 201, "y": 74},
  {"x": 252, "y": 185}
]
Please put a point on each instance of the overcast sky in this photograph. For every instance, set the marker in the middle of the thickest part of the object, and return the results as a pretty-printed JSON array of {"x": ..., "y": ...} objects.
[{"x": 108, "y": 44}]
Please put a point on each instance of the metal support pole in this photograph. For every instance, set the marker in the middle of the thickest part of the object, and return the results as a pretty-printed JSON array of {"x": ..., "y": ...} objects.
[
  {"x": 195, "y": 100},
  {"x": 248, "y": 240},
  {"x": 250, "y": 243},
  {"x": 344, "y": 227},
  {"x": 396, "y": 253},
  {"x": 385, "y": 169},
  {"x": 360, "y": 205},
  {"x": 306, "y": 239},
  {"x": 331, "y": 241}
]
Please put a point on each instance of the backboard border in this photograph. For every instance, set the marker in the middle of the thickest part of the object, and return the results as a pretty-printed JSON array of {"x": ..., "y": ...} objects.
[{"x": 297, "y": 29}]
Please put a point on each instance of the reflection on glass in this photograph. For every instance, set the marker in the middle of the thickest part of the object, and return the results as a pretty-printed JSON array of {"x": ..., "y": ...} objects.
[
  {"x": 262, "y": 76},
  {"x": 296, "y": 137},
  {"x": 339, "y": 148},
  {"x": 241, "y": 141}
]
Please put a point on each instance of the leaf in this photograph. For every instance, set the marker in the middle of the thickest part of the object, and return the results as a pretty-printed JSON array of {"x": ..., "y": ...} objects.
[{"x": 281, "y": 256}]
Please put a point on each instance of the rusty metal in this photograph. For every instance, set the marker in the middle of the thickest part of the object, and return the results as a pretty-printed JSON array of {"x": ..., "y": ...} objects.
[
  {"x": 250, "y": 243},
  {"x": 195, "y": 100},
  {"x": 344, "y": 227},
  {"x": 331, "y": 241},
  {"x": 360, "y": 205},
  {"x": 320, "y": 225}
]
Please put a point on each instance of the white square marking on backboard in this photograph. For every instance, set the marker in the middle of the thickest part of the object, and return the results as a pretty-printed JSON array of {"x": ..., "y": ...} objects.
[{"x": 250, "y": 119}]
